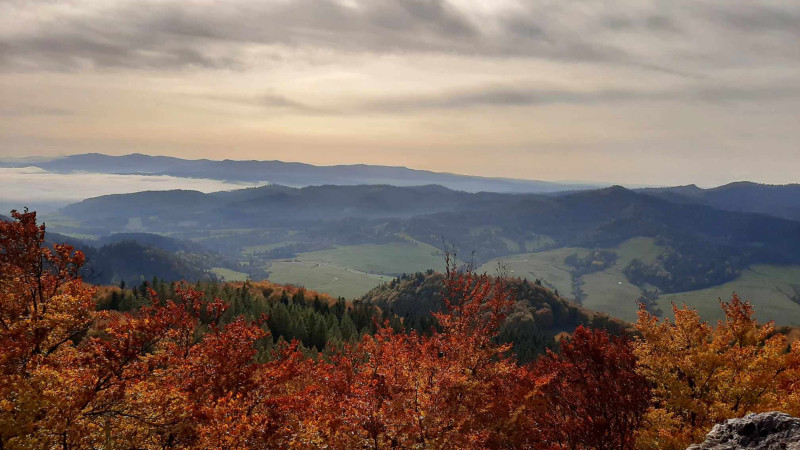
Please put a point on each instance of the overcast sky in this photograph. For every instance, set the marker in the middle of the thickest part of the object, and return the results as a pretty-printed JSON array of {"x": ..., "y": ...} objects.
[{"x": 625, "y": 91}]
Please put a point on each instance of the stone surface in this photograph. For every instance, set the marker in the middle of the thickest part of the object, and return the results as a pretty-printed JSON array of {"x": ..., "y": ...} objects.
[{"x": 765, "y": 431}]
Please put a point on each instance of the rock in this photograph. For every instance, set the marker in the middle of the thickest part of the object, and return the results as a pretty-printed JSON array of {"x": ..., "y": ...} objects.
[{"x": 765, "y": 431}]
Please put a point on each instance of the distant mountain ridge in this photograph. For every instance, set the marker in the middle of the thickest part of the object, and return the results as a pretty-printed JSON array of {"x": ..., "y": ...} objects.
[
  {"x": 270, "y": 204},
  {"x": 285, "y": 173},
  {"x": 744, "y": 196}
]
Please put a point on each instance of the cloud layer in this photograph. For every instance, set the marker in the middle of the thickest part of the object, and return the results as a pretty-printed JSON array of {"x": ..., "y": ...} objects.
[
  {"x": 673, "y": 36},
  {"x": 31, "y": 185}
]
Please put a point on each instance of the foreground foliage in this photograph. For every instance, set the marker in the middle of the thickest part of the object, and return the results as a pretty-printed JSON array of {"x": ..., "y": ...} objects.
[
  {"x": 184, "y": 372},
  {"x": 703, "y": 375}
]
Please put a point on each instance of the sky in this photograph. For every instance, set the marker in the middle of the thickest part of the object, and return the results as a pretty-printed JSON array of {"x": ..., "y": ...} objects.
[{"x": 645, "y": 92}]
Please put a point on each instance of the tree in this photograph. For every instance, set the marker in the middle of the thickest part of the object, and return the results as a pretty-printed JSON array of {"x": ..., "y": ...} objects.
[
  {"x": 73, "y": 377},
  {"x": 44, "y": 308},
  {"x": 703, "y": 375},
  {"x": 455, "y": 387},
  {"x": 593, "y": 398}
]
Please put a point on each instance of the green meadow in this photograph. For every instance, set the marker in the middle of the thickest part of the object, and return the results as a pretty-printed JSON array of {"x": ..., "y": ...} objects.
[
  {"x": 323, "y": 277},
  {"x": 769, "y": 288},
  {"x": 547, "y": 266},
  {"x": 351, "y": 270},
  {"x": 382, "y": 259},
  {"x": 228, "y": 274}
]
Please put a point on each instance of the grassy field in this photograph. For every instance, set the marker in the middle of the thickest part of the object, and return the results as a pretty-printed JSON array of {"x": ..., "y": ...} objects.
[
  {"x": 331, "y": 279},
  {"x": 609, "y": 290},
  {"x": 384, "y": 259},
  {"x": 767, "y": 287},
  {"x": 350, "y": 271},
  {"x": 228, "y": 274},
  {"x": 643, "y": 248},
  {"x": 547, "y": 266}
]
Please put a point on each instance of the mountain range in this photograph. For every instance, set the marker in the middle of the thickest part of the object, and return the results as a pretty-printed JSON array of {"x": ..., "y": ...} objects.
[
  {"x": 283, "y": 173},
  {"x": 704, "y": 245},
  {"x": 776, "y": 200}
]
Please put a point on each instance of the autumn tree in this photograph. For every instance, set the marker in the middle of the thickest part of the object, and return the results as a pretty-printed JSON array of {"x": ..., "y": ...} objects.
[
  {"x": 703, "y": 375},
  {"x": 44, "y": 309},
  {"x": 593, "y": 398},
  {"x": 76, "y": 378},
  {"x": 453, "y": 388}
]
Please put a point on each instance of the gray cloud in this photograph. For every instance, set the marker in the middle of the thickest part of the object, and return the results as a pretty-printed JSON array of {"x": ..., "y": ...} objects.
[
  {"x": 757, "y": 17},
  {"x": 178, "y": 34},
  {"x": 31, "y": 110},
  {"x": 272, "y": 101},
  {"x": 514, "y": 96}
]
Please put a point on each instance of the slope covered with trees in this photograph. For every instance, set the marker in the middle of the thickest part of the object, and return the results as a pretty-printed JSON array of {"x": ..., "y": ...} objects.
[
  {"x": 318, "y": 322},
  {"x": 535, "y": 319},
  {"x": 136, "y": 257}
]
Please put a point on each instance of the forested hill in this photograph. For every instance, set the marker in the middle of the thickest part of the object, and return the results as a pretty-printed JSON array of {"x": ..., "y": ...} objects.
[
  {"x": 317, "y": 321},
  {"x": 591, "y": 217},
  {"x": 323, "y": 324},
  {"x": 272, "y": 204},
  {"x": 136, "y": 257},
  {"x": 537, "y": 316}
]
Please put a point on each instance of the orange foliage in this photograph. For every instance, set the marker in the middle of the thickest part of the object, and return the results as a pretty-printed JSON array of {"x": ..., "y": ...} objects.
[
  {"x": 453, "y": 389},
  {"x": 73, "y": 377},
  {"x": 595, "y": 398},
  {"x": 703, "y": 375}
]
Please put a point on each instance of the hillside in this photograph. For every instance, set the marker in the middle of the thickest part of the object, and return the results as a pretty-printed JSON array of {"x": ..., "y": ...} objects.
[
  {"x": 137, "y": 257},
  {"x": 319, "y": 322},
  {"x": 322, "y": 323},
  {"x": 538, "y": 314}
]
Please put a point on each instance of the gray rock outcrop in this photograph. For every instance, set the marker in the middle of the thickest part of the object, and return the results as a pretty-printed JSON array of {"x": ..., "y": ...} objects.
[{"x": 765, "y": 431}]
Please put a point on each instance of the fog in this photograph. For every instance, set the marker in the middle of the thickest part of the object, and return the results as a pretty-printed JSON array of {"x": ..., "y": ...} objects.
[{"x": 39, "y": 189}]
